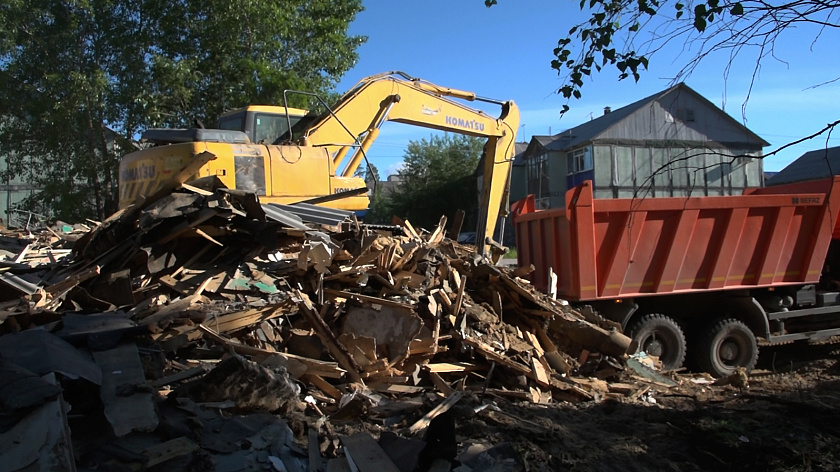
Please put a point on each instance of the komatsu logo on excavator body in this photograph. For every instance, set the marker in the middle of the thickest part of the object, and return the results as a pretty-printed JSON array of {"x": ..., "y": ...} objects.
[
  {"x": 466, "y": 124},
  {"x": 142, "y": 172}
]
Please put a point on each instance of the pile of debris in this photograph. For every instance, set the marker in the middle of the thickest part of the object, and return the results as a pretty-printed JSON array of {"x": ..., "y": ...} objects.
[{"x": 178, "y": 325}]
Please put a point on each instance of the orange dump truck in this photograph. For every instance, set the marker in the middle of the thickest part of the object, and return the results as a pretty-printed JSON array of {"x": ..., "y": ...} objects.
[{"x": 707, "y": 277}]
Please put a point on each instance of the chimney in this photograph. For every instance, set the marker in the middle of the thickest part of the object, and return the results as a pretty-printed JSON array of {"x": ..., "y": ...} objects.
[{"x": 607, "y": 110}]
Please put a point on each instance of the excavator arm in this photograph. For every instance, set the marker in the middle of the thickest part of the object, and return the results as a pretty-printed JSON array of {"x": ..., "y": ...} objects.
[{"x": 354, "y": 123}]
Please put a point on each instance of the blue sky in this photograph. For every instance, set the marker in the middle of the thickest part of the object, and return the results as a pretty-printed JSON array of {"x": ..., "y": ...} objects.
[{"x": 504, "y": 52}]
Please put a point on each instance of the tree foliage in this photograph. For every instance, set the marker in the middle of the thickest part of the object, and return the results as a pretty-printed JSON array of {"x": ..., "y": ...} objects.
[
  {"x": 626, "y": 34},
  {"x": 82, "y": 77},
  {"x": 437, "y": 179}
]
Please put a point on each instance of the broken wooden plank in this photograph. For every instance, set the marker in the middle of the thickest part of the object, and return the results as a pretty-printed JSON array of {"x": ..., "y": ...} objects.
[
  {"x": 186, "y": 226},
  {"x": 457, "y": 222},
  {"x": 179, "y": 376},
  {"x": 439, "y": 383},
  {"x": 492, "y": 355},
  {"x": 623, "y": 388},
  {"x": 22, "y": 254},
  {"x": 415, "y": 280},
  {"x": 410, "y": 229},
  {"x": 408, "y": 251},
  {"x": 523, "y": 270},
  {"x": 323, "y": 385},
  {"x": 539, "y": 373},
  {"x": 193, "y": 259},
  {"x": 450, "y": 367},
  {"x": 437, "y": 234},
  {"x": 518, "y": 394},
  {"x": 534, "y": 341},
  {"x": 230, "y": 322},
  {"x": 313, "y": 366},
  {"x": 173, "y": 310},
  {"x": 395, "y": 389},
  {"x": 497, "y": 304},
  {"x": 328, "y": 338},
  {"x": 459, "y": 301},
  {"x": 197, "y": 190},
  {"x": 73, "y": 280},
  {"x": 443, "y": 407},
  {"x": 445, "y": 300},
  {"x": 366, "y": 298}
]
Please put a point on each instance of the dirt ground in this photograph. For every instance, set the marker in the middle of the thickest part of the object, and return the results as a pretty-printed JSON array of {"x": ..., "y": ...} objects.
[{"x": 786, "y": 420}]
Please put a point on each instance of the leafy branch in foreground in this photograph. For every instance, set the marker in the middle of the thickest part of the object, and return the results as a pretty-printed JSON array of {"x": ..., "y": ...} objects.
[{"x": 626, "y": 34}]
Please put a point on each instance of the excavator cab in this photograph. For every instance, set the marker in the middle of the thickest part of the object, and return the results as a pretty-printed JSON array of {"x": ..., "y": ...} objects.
[{"x": 264, "y": 124}]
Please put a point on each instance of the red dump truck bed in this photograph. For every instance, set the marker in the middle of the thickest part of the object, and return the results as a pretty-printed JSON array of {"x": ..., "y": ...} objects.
[{"x": 613, "y": 248}]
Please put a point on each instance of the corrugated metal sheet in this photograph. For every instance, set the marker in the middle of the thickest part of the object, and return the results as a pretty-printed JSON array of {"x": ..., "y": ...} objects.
[
  {"x": 291, "y": 220},
  {"x": 295, "y": 216},
  {"x": 19, "y": 283}
]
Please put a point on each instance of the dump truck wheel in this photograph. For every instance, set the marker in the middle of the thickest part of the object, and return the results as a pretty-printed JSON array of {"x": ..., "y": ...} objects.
[
  {"x": 725, "y": 345},
  {"x": 660, "y": 336}
]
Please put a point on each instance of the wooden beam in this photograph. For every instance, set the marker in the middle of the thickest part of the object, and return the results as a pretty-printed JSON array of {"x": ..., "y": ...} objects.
[
  {"x": 455, "y": 229},
  {"x": 323, "y": 386},
  {"x": 366, "y": 298},
  {"x": 179, "y": 376},
  {"x": 440, "y": 384},
  {"x": 443, "y": 407},
  {"x": 492, "y": 355},
  {"x": 314, "y": 366},
  {"x": 328, "y": 338},
  {"x": 459, "y": 301}
]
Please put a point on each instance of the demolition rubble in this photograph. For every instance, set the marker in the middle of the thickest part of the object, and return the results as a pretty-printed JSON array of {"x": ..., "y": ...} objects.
[{"x": 204, "y": 331}]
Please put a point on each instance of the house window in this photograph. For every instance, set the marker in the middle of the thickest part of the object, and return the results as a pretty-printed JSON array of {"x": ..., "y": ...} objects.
[
  {"x": 538, "y": 176},
  {"x": 686, "y": 114},
  {"x": 579, "y": 160}
]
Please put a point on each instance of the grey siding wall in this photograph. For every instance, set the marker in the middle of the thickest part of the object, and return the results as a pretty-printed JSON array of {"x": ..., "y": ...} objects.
[{"x": 625, "y": 171}]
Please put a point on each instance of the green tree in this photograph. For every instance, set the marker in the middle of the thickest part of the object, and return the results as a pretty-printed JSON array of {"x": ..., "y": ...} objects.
[
  {"x": 437, "y": 179},
  {"x": 82, "y": 77},
  {"x": 624, "y": 35},
  {"x": 368, "y": 172},
  {"x": 379, "y": 210}
]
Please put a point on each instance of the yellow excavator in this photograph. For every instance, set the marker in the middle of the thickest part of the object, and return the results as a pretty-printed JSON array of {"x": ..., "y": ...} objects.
[{"x": 287, "y": 155}]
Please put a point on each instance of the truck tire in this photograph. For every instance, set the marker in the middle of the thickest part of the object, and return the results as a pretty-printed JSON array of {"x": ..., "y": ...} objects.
[
  {"x": 660, "y": 336},
  {"x": 726, "y": 344}
]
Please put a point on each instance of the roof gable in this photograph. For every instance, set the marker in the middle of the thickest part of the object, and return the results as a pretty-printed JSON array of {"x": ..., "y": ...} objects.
[{"x": 645, "y": 120}]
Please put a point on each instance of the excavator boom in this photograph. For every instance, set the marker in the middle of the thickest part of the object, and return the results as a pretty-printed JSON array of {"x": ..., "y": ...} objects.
[{"x": 354, "y": 123}]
